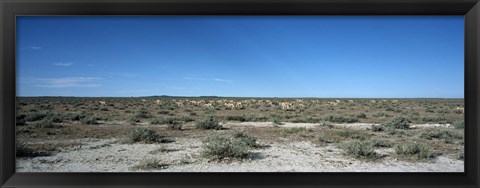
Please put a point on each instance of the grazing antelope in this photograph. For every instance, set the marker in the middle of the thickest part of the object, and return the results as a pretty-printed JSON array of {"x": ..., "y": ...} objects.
[
  {"x": 286, "y": 105},
  {"x": 462, "y": 109},
  {"x": 102, "y": 102}
]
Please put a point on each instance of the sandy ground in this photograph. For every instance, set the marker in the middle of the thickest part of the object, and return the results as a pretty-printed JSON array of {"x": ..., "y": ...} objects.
[{"x": 183, "y": 155}]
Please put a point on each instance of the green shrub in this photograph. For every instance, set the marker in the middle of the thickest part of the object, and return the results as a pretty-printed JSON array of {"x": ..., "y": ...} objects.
[
  {"x": 321, "y": 138},
  {"x": 142, "y": 114},
  {"x": 35, "y": 116},
  {"x": 421, "y": 151},
  {"x": 23, "y": 150},
  {"x": 276, "y": 121},
  {"x": 442, "y": 134},
  {"x": 381, "y": 114},
  {"x": 434, "y": 119},
  {"x": 359, "y": 149},
  {"x": 341, "y": 119},
  {"x": 306, "y": 120},
  {"x": 390, "y": 109},
  {"x": 353, "y": 134},
  {"x": 74, "y": 116},
  {"x": 459, "y": 124},
  {"x": 220, "y": 147},
  {"x": 171, "y": 122},
  {"x": 209, "y": 123},
  {"x": 133, "y": 120},
  {"x": 398, "y": 132},
  {"x": 381, "y": 143},
  {"x": 295, "y": 130},
  {"x": 89, "y": 120},
  {"x": 45, "y": 123},
  {"x": 236, "y": 118},
  {"x": 164, "y": 112},
  {"x": 56, "y": 118},
  {"x": 361, "y": 115},
  {"x": 377, "y": 128},
  {"x": 143, "y": 135},
  {"x": 326, "y": 124},
  {"x": 245, "y": 138},
  {"x": 398, "y": 123}
]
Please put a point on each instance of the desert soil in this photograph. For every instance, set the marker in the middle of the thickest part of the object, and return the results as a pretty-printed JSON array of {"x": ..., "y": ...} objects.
[{"x": 183, "y": 155}]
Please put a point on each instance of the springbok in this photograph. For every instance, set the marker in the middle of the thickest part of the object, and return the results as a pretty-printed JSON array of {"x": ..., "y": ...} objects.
[
  {"x": 462, "y": 109},
  {"x": 286, "y": 105}
]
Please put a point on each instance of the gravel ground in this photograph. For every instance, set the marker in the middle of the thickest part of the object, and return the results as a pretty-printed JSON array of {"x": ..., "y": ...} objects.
[{"x": 183, "y": 155}]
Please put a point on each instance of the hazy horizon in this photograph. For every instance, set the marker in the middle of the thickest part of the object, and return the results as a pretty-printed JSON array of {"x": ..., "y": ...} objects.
[
  {"x": 174, "y": 96},
  {"x": 241, "y": 56}
]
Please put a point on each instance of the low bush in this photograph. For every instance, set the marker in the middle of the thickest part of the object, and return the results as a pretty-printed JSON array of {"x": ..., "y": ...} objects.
[
  {"x": 341, "y": 119},
  {"x": 442, "y": 134},
  {"x": 245, "y": 138},
  {"x": 45, "y": 123},
  {"x": 241, "y": 118},
  {"x": 209, "y": 123},
  {"x": 434, "y": 119},
  {"x": 381, "y": 143},
  {"x": 143, "y": 135},
  {"x": 398, "y": 132},
  {"x": 164, "y": 112},
  {"x": 326, "y": 124},
  {"x": 420, "y": 151},
  {"x": 221, "y": 147},
  {"x": 23, "y": 150},
  {"x": 276, "y": 121},
  {"x": 398, "y": 123},
  {"x": 306, "y": 119},
  {"x": 133, "y": 120},
  {"x": 142, "y": 114},
  {"x": 377, "y": 128},
  {"x": 172, "y": 122},
  {"x": 459, "y": 124},
  {"x": 295, "y": 130},
  {"x": 359, "y": 149},
  {"x": 381, "y": 114},
  {"x": 353, "y": 134},
  {"x": 361, "y": 115},
  {"x": 89, "y": 120},
  {"x": 35, "y": 116},
  {"x": 74, "y": 116},
  {"x": 322, "y": 138}
]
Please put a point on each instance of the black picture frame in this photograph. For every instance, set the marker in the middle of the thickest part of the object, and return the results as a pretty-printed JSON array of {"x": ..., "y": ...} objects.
[{"x": 11, "y": 8}]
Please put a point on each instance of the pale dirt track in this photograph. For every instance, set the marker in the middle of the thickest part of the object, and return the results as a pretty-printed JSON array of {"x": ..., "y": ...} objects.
[{"x": 97, "y": 155}]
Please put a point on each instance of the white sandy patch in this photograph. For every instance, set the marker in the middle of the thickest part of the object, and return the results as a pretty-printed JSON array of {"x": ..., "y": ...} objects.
[
  {"x": 183, "y": 155},
  {"x": 359, "y": 126}
]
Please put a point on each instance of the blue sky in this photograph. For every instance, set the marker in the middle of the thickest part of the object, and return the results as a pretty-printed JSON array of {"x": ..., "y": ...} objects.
[{"x": 243, "y": 56}]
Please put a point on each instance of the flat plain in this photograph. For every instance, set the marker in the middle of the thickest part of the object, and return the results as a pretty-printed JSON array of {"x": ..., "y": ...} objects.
[{"x": 220, "y": 134}]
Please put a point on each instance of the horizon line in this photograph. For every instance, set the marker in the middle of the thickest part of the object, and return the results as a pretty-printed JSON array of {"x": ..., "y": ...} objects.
[{"x": 213, "y": 96}]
